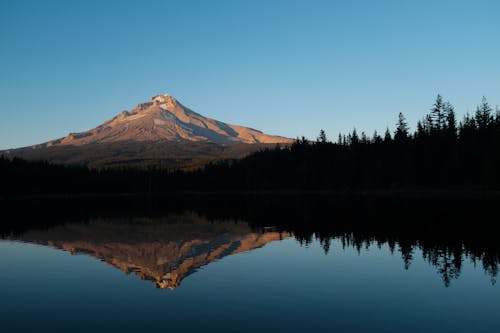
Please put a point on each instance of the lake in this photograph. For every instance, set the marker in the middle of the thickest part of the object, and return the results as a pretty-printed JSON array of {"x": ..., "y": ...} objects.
[{"x": 258, "y": 264}]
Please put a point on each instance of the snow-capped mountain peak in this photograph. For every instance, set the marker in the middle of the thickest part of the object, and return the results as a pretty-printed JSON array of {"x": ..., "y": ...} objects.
[{"x": 163, "y": 118}]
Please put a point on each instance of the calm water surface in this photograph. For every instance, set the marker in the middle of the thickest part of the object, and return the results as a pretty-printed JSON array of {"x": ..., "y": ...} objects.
[{"x": 185, "y": 274}]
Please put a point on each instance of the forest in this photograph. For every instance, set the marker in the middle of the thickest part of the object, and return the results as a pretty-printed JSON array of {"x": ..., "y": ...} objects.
[{"x": 441, "y": 153}]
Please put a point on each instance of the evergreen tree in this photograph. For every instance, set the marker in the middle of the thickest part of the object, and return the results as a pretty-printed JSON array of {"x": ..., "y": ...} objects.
[
  {"x": 428, "y": 124},
  {"x": 354, "y": 137},
  {"x": 387, "y": 136},
  {"x": 401, "y": 133},
  {"x": 497, "y": 119},
  {"x": 364, "y": 138},
  {"x": 376, "y": 138},
  {"x": 451, "y": 123},
  {"x": 420, "y": 133},
  {"x": 484, "y": 115},
  {"x": 437, "y": 114},
  {"x": 322, "y": 137},
  {"x": 467, "y": 126}
]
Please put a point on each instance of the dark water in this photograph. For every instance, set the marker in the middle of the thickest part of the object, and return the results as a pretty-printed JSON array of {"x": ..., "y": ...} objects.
[{"x": 265, "y": 264}]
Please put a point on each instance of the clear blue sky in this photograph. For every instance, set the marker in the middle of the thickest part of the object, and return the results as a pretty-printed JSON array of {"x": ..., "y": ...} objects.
[{"x": 284, "y": 67}]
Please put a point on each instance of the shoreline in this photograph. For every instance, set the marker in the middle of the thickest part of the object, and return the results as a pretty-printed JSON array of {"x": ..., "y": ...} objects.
[{"x": 403, "y": 192}]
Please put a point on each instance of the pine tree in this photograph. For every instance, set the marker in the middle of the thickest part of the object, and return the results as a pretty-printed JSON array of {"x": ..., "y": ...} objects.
[
  {"x": 376, "y": 138},
  {"x": 420, "y": 133},
  {"x": 437, "y": 115},
  {"x": 497, "y": 117},
  {"x": 467, "y": 126},
  {"x": 428, "y": 124},
  {"x": 387, "y": 135},
  {"x": 484, "y": 115},
  {"x": 354, "y": 137},
  {"x": 322, "y": 137},
  {"x": 364, "y": 138},
  {"x": 401, "y": 133},
  {"x": 451, "y": 122}
]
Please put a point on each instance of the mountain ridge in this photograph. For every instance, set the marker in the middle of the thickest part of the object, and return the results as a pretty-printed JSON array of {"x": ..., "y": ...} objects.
[
  {"x": 159, "y": 132},
  {"x": 164, "y": 118}
]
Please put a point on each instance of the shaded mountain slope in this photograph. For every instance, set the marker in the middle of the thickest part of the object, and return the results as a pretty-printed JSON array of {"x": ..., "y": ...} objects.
[{"x": 160, "y": 132}]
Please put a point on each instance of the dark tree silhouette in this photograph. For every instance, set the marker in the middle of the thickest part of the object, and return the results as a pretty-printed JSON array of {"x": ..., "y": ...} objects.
[
  {"x": 401, "y": 134},
  {"x": 440, "y": 154},
  {"x": 437, "y": 115},
  {"x": 322, "y": 137},
  {"x": 387, "y": 136},
  {"x": 484, "y": 116},
  {"x": 446, "y": 230},
  {"x": 451, "y": 122}
]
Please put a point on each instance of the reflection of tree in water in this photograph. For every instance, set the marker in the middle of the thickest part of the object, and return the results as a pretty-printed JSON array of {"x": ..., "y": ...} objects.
[
  {"x": 448, "y": 260},
  {"x": 446, "y": 228},
  {"x": 490, "y": 267}
]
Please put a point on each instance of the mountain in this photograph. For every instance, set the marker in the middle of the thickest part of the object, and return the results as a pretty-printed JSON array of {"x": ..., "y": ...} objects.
[
  {"x": 163, "y": 118},
  {"x": 161, "y": 130},
  {"x": 162, "y": 250}
]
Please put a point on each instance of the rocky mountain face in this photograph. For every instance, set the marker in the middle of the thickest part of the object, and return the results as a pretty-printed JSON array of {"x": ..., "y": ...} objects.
[
  {"x": 160, "y": 131},
  {"x": 163, "y": 118},
  {"x": 163, "y": 251}
]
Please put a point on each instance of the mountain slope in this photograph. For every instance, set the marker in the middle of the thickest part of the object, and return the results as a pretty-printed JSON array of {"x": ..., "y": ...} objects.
[
  {"x": 160, "y": 132},
  {"x": 128, "y": 154},
  {"x": 163, "y": 118}
]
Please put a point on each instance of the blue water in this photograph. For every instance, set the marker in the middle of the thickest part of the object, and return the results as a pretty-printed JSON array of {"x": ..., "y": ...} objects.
[{"x": 280, "y": 287}]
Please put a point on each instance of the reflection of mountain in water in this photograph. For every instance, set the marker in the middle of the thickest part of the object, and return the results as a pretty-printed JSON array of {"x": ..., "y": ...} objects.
[
  {"x": 447, "y": 229},
  {"x": 164, "y": 250}
]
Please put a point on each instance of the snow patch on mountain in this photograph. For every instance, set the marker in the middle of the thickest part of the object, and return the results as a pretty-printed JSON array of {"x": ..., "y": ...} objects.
[{"x": 163, "y": 118}]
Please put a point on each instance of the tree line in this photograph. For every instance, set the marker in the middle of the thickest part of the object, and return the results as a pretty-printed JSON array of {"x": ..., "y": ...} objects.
[{"x": 441, "y": 152}]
